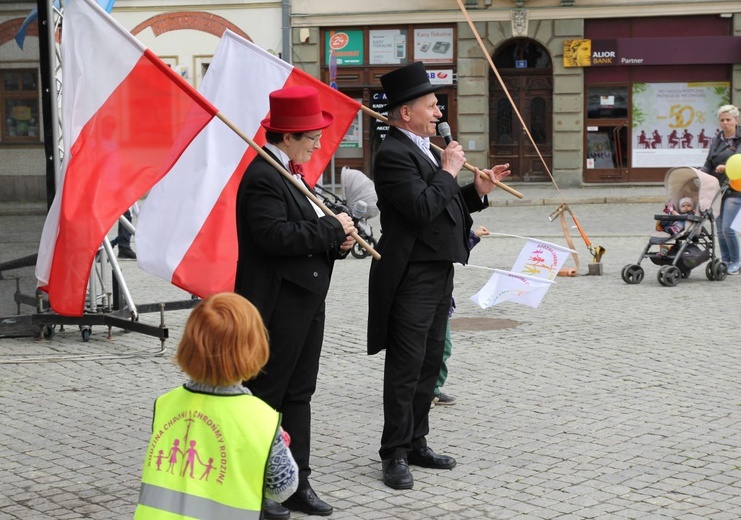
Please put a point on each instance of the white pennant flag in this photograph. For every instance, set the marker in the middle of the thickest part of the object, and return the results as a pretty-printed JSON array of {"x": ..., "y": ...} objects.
[
  {"x": 504, "y": 286},
  {"x": 736, "y": 224},
  {"x": 541, "y": 259}
]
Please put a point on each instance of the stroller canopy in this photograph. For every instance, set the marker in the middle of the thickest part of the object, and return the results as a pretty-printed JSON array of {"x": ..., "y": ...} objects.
[
  {"x": 357, "y": 186},
  {"x": 685, "y": 181}
]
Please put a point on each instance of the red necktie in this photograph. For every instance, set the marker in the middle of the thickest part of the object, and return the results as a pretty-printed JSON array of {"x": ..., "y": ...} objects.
[{"x": 295, "y": 169}]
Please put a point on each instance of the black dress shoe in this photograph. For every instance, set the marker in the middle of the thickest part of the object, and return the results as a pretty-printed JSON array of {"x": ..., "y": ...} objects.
[
  {"x": 306, "y": 501},
  {"x": 427, "y": 458},
  {"x": 274, "y": 511},
  {"x": 124, "y": 252},
  {"x": 396, "y": 474}
]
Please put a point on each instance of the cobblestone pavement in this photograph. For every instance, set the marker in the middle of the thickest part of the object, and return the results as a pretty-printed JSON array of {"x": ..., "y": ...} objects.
[{"x": 608, "y": 401}]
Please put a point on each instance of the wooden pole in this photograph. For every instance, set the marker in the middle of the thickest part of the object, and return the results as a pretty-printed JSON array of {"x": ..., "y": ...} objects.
[
  {"x": 506, "y": 91},
  {"x": 300, "y": 185},
  {"x": 469, "y": 167}
]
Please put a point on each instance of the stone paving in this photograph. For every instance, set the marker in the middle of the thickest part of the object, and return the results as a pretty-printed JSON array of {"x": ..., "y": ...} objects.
[{"x": 608, "y": 401}]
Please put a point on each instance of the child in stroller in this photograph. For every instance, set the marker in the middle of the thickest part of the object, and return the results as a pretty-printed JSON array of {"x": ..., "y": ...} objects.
[
  {"x": 673, "y": 227},
  {"x": 683, "y": 240}
]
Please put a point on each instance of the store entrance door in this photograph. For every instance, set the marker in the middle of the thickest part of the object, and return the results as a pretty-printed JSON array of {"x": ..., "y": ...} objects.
[
  {"x": 608, "y": 136},
  {"x": 525, "y": 68}
]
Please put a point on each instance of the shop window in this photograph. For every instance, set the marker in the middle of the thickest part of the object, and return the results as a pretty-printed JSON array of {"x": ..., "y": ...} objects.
[
  {"x": 19, "y": 102},
  {"x": 607, "y": 147},
  {"x": 607, "y": 102}
]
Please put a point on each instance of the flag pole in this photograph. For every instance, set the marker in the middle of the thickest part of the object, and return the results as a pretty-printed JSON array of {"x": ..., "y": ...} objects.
[
  {"x": 467, "y": 166},
  {"x": 299, "y": 185}
]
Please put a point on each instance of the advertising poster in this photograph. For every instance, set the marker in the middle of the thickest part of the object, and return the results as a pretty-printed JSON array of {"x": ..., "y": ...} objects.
[
  {"x": 354, "y": 136},
  {"x": 387, "y": 47},
  {"x": 674, "y": 123},
  {"x": 599, "y": 150},
  {"x": 344, "y": 46},
  {"x": 433, "y": 45},
  {"x": 378, "y": 104},
  {"x": 441, "y": 77}
]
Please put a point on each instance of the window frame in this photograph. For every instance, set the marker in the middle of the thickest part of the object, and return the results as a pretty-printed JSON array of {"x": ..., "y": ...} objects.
[{"x": 23, "y": 96}]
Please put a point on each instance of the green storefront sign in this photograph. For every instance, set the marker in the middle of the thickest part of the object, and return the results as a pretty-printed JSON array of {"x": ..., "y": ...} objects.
[{"x": 347, "y": 47}]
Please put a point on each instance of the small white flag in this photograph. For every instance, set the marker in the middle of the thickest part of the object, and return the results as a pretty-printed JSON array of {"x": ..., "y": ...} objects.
[
  {"x": 504, "y": 286},
  {"x": 541, "y": 259},
  {"x": 736, "y": 224}
]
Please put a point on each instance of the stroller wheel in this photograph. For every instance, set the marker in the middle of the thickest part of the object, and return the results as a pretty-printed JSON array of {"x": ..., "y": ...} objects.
[
  {"x": 632, "y": 274},
  {"x": 359, "y": 251},
  {"x": 720, "y": 270},
  {"x": 669, "y": 276}
]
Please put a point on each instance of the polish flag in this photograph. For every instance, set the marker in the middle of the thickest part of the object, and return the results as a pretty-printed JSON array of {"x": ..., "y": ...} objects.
[
  {"x": 187, "y": 229},
  {"x": 126, "y": 118}
]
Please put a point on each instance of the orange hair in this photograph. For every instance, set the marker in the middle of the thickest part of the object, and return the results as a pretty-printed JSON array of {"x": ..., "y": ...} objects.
[{"x": 224, "y": 342}]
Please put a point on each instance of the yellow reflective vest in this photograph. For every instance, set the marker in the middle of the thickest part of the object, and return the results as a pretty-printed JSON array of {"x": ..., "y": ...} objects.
[{"x": 207, "y": 457}]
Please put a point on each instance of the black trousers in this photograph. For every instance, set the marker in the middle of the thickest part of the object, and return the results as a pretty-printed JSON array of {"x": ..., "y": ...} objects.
[
  {"x": 414, "y": 354},
  {"x": 288, "y": 381}
]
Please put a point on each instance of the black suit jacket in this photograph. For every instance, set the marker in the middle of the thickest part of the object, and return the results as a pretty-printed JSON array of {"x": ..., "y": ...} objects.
[
  {"x": 425, "y": 215},
  {"x": 281, "y": 238}
]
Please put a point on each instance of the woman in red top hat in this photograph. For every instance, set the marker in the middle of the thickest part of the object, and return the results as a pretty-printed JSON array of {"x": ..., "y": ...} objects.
[{"x": 287, "y": 247}]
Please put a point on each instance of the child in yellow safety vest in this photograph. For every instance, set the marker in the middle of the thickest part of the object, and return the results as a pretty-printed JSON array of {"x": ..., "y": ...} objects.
[{"x": 217, "y": 451}]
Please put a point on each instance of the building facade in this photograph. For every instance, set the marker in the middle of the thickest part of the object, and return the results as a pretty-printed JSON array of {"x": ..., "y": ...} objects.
[
  {"x": 564, "y": 90},
  {"x": 514, "y": 90},
  {"x": 184, "y": 34}
]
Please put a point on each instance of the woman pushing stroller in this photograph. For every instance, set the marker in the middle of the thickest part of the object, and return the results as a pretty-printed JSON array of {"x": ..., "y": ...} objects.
[{"x": 724, "y": 145}]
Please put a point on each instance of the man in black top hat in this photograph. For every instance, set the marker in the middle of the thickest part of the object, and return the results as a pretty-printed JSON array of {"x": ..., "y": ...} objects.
[{"x": 425, "y": 220}]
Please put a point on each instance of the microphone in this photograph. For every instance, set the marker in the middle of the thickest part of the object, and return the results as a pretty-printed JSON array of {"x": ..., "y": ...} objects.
[
  {"x": 444, "y": 129},
  {"x": 359, "y": 209}
]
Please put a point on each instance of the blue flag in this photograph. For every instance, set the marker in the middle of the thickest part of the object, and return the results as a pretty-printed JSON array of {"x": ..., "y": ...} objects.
[{"x": 20, "y": 36}]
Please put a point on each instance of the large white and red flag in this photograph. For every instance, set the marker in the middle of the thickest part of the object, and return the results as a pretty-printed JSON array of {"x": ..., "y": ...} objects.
[
  {"x": 126, "y": 118},
  {"x": 541, "y": 259},
  {"x": 506, "y": 286},
  {"x": 187, "y": 230}
]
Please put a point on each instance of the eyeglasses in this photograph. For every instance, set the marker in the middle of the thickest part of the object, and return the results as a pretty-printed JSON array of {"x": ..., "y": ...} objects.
[{"x": 315, "y": 138}]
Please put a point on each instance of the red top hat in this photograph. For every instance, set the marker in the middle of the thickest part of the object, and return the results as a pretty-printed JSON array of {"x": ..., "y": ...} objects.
[{"x": 296, "y": 110}]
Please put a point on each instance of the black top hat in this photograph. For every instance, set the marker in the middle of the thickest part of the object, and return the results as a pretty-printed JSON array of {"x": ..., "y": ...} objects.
[{"x": 406, "y": 83}]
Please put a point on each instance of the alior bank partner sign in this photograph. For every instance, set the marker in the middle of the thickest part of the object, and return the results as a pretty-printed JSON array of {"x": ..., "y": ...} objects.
[{"x": 652, "y": 51}]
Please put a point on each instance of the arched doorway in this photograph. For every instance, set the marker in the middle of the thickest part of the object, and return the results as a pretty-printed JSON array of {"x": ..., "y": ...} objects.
[{"x": 526, "y": 70}]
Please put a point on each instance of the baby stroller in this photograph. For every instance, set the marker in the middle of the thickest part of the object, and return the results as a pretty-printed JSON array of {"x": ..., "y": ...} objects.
[
  {"x": 691, "y": 246},
  {"x": 359, "y": 200}
]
